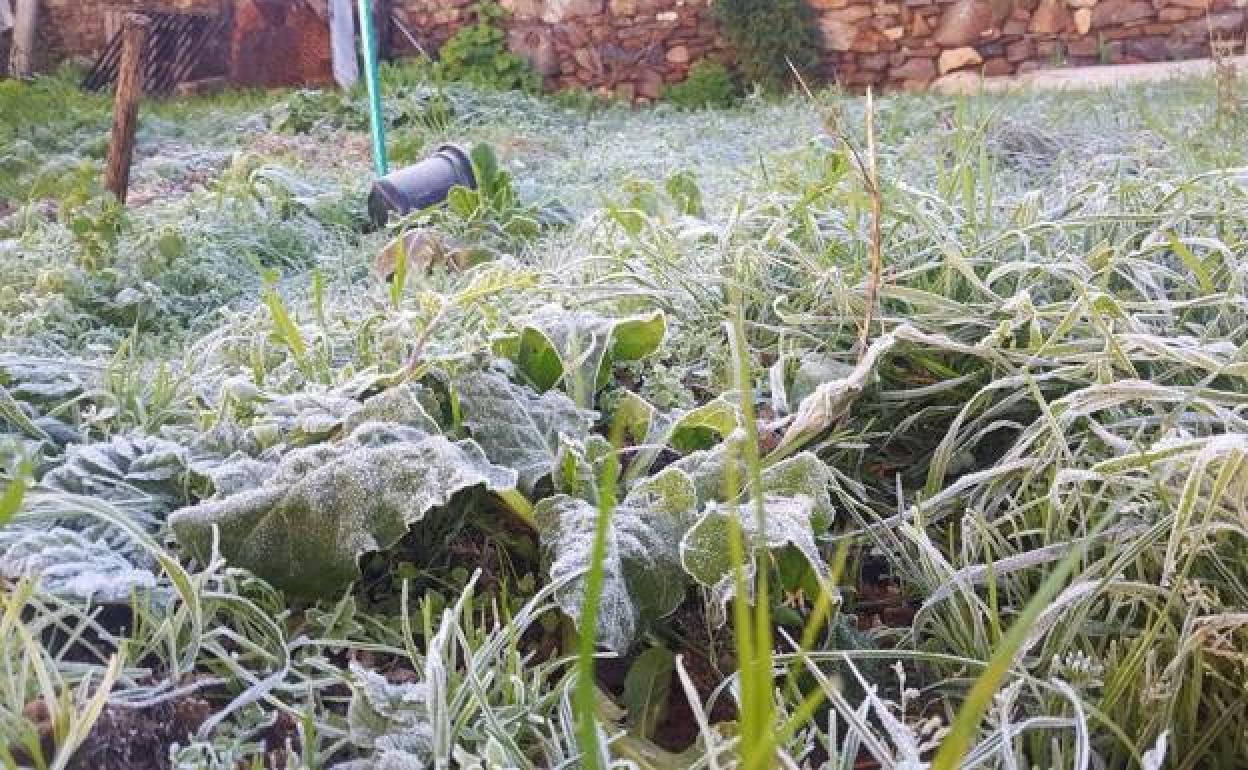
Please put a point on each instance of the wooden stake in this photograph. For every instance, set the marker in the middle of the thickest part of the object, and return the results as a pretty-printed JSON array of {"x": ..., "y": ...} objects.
[
  {"x": 134, "y": 32},
  {"x": 22, "y": 49}
]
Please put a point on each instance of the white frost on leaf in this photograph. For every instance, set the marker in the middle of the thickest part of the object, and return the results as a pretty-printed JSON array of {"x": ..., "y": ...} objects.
[
  {"x": 328, "y": 505},
  {"x": 518, "y": 428},
  {"x": 642, "y": 576}
]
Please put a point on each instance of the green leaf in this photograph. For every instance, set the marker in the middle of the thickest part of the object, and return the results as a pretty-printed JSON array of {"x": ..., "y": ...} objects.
[
  {"x": 579, "y": 466},
  {"x": 789, "y": 521},
  {"x": 150, "y": 474},
  {"x": 408, "y": 404},
  {"x": 803, "y": 475},
  {"x": 578, "y": 348},
  {"x": 390, "y": 723},
  {"x": 642, "y": 576},
  {"x": 682, "y": 188},
  {"x": 463, "y": 201},
  {"x": 11, "y": 500},
  {"x": 703, "y": 427},
  {"x": 696, "y": 429},
  {"x": 646, "y": 688},
  {"x": 485, "y": 168},
  {"x": 328, "y": 505},
  {"x": 518, "y": 428}
]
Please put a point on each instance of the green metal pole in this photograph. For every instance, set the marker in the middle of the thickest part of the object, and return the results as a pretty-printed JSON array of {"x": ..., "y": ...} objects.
[{"x": 372, "y": 77}]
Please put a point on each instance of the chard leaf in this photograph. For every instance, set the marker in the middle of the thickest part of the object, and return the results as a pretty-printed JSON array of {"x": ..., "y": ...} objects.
[
  {"x": 328, "y": 505},
  {"x": 302, "y": 419},
  {"x": 703, "y": 427},
  {"x": 390, "y": 722},
  {"x": 578, "y": 348},
  {"x": 407, "y": 404},
  {"x": 579, "y": 465},
  {"x": 73, "y": 565},
  {"x": 696, "y": 429},
  {"x": 642, "y": 578},
  {"x": 803, "y": 474},
  {"x": 646, "y": 688},
  {"x": 378, "y": 708},
  {"x": 517, "y": 428},
  {"x": 705, "y": 549},
  {"x": 151, "y": 474}
]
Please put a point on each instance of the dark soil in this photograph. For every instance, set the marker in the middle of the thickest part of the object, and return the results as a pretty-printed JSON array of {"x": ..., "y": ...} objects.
[{"x": 125, "y": 738}]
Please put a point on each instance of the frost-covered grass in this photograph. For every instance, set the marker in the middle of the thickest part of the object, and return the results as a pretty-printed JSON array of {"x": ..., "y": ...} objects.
[{"x": 265, "y": 507}]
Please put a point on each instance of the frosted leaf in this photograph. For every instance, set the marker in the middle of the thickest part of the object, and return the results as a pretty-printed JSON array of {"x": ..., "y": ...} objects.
[
  {"x": 389, "y": 720},
  {"x": 306, "y": 418},
  {"x": 709, "y": 469},
  {"x": 803, "y": 474},
  {"x": 642, "y": 577},
  {"x": 328, "y": 505},
  {"x": 127, "y": 468},
  {"x": 704, "y": 426},
  {"x": 516, "y": 427},
  {"x": 406, "y": 404},
  {"x": 651, "y": 430},
  {"x": 579, "y": 466},
  {"x": 377, "y": 434},
  {"x": 578, "y": 348},
  {"x": 236, "y": 473},
  {"x": 309, "y": 418},
  {"x": 705, "y": 551},
  {"x": 45, "y": 381},
  {"x": 72, "y": 565}
]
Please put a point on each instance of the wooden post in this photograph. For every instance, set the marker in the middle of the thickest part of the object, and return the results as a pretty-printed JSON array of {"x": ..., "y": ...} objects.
[
  {"x": 134, "y": 31},
  {"x": 21, "y": 54}
]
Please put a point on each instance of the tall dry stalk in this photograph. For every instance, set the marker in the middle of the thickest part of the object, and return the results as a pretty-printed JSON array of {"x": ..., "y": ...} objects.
[
  {"x": 1226, "y": 78},
  {"x": 868, "y": 172},
  {"x": 871, "y": 181}
]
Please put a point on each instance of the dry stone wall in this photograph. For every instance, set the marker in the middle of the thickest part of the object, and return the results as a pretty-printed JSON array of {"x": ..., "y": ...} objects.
[
  {"x": 629, "y": 48},
  {"x": 910, "y": 43},
  {"x": 633, "y": 47}
]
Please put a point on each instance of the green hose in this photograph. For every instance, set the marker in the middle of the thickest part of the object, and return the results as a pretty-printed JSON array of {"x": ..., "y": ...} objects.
[{"x": 372, "y": 78}]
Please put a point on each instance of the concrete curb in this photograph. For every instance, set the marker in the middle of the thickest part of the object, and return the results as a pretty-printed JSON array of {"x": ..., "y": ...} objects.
[{"x": 1080, "y": 78}]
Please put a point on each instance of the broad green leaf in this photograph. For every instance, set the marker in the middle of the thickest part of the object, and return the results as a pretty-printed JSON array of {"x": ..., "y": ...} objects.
[
  {"x": 328, "y": 505},
  {"x": 642, "y": 577},
  {"x": 302, "y": 419},
  {"x": 40, "y": 381},
  {"x": 789, "y": 521},
  {"x": 518, "y": 428},
  {"x": 407, "y": 404},
  {"x": 803, "y": 475},
  {"x": 579, "y": 466},
  {"x": 703, "y": 427},
  {"x": 682, "y": 188},
  {"x": 646, "y": 688},
  {"x": 578, "y": 348},
  {"x": 696, "y": 429}
]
